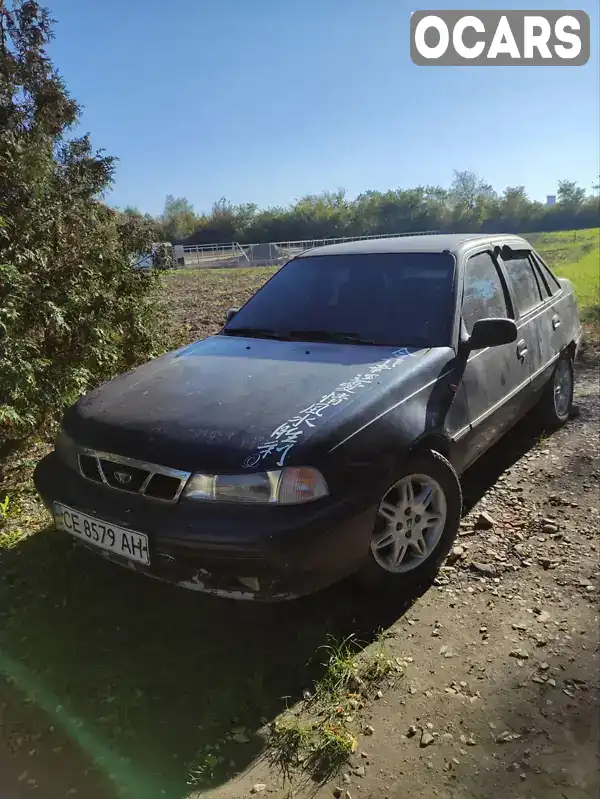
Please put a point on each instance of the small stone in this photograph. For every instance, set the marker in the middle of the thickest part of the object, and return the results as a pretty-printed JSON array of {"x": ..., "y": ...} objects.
[
  {"x": 337, "y": 792},
  {"x": 360, "y": 771},
  {"x": 544, "y": 666},
  {"x": 520, "y": 627},
  {"x": 521, "y": 654},
  {"x": 369, "y": 730},
  {"x": 506, "y": 736},
  {"x": 456, "y": 554},
  {"x": 412, "y": 731},
  {"x": 240, "y": 738},
  {"x": 260, "y": 787},
  {"x": 426, "y": 739},
  {"x": 549, "y": 527},
  {"x": 552, "y": 683},
  {"x": 471, "y": 741},
  {"x": 484, "y": 521},
  {"x": 379, "y": 695},
  {"x": 487, "y": 569},
  {"x": 447, "y": 736}
]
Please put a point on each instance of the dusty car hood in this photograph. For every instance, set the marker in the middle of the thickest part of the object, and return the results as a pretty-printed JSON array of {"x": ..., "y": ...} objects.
[{"x": 229, "y": 403}]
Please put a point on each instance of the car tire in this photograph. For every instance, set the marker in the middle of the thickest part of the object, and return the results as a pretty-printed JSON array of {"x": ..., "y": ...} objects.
[
  {"x": 426, "y": 472},
  {"x": 556, "y": 404}
]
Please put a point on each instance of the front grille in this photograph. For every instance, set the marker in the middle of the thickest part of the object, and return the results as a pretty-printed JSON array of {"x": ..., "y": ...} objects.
[
  {"x": 127, "y": 478},
  {"x": 134, "y": 477}
]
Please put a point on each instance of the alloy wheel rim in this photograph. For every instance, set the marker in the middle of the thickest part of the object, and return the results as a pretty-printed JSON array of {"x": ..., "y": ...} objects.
[
  {"x": 563, "y": 383},
  {"x": 411, "y": 520}
]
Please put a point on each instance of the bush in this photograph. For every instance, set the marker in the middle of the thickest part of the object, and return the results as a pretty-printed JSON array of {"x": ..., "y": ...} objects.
[{"x": 72, "y": 310}]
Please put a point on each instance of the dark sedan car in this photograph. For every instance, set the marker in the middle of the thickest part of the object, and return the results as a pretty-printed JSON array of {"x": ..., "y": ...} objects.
[{"x": 321, "y": 432}]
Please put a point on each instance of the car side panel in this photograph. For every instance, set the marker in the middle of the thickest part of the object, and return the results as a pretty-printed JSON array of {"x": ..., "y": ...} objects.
[
  {"x": 493, "y": 379},
  {"x": 366, "y": 459}
]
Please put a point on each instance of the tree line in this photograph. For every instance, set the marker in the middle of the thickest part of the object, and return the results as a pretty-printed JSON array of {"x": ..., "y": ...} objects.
[{"x": 469, "y": 204}]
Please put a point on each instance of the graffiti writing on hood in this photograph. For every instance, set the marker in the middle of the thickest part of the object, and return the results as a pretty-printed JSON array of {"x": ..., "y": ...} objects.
[{"x": 286, "y": 436}]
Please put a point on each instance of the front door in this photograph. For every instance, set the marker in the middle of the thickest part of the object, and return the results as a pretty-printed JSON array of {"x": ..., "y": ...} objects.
[{"x": 492, "y": 376}]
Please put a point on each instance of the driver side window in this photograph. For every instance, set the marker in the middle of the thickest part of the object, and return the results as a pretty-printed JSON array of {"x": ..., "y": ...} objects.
[{"x": 484, "y": 295}]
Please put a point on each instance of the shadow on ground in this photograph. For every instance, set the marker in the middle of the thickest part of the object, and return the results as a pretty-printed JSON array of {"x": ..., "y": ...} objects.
[{"x": 149, "y": 679}]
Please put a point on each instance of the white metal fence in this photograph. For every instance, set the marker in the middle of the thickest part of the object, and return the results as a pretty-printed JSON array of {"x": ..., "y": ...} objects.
[{"x": 265, "y": 254}]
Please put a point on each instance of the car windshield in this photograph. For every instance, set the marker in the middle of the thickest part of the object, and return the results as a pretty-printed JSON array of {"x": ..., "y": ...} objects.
[{"x": 386, "y": 299}]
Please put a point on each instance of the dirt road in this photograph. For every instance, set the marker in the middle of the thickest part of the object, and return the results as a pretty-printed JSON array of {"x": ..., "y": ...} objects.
[{"x": 500, "y": 693}]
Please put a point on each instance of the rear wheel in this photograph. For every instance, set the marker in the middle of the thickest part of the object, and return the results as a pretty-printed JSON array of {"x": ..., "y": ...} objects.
[
  {"x": 417, "y": 522},
  {"x": 556, "y": 403}
]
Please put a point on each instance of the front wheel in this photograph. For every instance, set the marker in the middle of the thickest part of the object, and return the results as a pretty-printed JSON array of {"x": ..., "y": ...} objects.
[
  {"x": 556, "y": 403},
  {"x": 417, "y": 521}
]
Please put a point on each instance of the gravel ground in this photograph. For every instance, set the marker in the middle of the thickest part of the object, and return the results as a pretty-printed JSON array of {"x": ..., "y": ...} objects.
[{"x": 501, "y": 685}]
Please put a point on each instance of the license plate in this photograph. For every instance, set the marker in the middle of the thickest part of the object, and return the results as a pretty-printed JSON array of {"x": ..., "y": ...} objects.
[{"x": 101, "y": 534}]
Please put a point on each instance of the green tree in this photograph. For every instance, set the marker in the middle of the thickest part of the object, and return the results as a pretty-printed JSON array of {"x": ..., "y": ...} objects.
[
  {"x": 178, "y": 219},
  {"x": 72, "y": 310},
  {"x": 570, "y": 194}
]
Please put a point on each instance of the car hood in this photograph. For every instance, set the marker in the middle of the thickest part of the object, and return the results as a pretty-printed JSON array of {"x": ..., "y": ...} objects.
[{"x": 226, "y": 404}]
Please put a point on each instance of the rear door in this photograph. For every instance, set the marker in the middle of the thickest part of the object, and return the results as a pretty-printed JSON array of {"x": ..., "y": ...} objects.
[
  {"x": 541, "y": 329},
  {"x": 493, "y": 376}
]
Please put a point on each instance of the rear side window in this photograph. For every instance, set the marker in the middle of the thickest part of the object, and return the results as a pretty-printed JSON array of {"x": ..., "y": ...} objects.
[
  {"x": 549, "y": 279},
  {"x": 524, "y": 280},
  {"x": 484, "y": 296}
]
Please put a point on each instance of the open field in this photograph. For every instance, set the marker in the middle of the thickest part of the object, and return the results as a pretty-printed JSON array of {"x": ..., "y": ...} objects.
[
  {"x": 575, "y": 254},
  {"x": 116, "y": 687}
]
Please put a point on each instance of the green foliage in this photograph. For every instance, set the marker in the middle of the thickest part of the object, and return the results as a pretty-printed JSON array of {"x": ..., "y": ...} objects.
[
  {"x": 468, "y": 205},
  {"x": 72, "y": 311},
  {"x": 178, "y": 219},
  {"x": 570, "y": 194},
  {"x": 162, "y": 256}
]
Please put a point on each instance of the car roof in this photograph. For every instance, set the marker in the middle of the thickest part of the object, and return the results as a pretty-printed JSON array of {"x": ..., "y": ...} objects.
[{"x": 456, "y": 243}]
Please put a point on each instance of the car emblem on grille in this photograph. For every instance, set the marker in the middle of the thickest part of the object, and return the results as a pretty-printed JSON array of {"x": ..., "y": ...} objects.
[{"x": 123, "y": 477}]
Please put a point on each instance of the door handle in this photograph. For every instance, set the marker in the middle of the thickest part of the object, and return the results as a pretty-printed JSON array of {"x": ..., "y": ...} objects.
[
  {"x": 521, "y": 349},
  {"x": 556, "y": 322}
]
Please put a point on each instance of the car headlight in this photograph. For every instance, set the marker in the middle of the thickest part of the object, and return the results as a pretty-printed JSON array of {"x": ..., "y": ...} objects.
[
  {"x": 290, "y": 486},
  {"x": 66, "y": 449}
]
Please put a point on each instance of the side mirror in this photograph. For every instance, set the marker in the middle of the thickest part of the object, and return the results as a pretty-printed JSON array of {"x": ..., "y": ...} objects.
[
  {"x": 492, "y": 333},
  {"x": 231, "y": 313}
]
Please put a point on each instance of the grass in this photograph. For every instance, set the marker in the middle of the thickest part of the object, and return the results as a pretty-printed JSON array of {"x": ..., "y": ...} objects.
[
  {"x": 319, "y": 735},
  {"x": 575, "y": 254}
]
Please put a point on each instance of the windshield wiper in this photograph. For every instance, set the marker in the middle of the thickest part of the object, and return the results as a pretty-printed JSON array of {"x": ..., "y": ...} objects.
[
  {"x": 328, "y": 335},
  {"x": 254, "y": 332}
]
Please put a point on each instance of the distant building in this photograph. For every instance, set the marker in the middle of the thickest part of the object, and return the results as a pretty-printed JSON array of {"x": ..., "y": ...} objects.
[{"x": 551, "y": 199}]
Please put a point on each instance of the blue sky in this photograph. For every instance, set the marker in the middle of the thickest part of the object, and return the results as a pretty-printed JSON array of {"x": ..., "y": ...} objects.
[{"x": 267, "y": 100}]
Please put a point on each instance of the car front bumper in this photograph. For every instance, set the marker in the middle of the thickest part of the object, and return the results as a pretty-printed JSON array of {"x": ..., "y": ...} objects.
[{"x": 278, "y": 552}]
